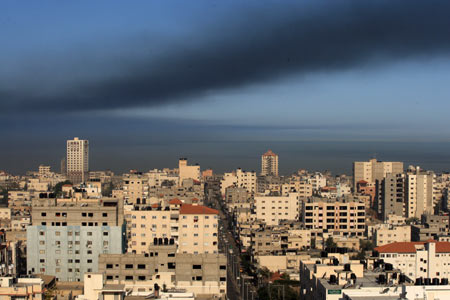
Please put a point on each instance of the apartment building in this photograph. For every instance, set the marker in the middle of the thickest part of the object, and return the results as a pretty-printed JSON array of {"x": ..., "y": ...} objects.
[
  {"x": 21, "y": 288},
  {"x": 280, "y": 240},
  {"x": 269, "y": 164},
  {"x": 317, "y": 180},
  {"x": 418, "y": 193},
  {"x": 387, "y": 234},
  {"x": 135, "y": 188},
  {"x": 203, "y": 274},
  {"x": 77, "y": 160},
  {"x": 373, "y": 170},
  {"x": 301, "y": 187},
  {"x": 67, "y": 235},
  {"x": 273, "y": 209},
  {"x": 335, "y": 278},
  {"x": 44, "y": 170},
  {"x": 188, "y": 172},
  {"x": 430, "y": 227},
  {"x": 237, "y": 198},
  {"x": 239, "y": 178},
  {"x": 340, "y": 217},
  {"x": 192, "y": 227},
  {"x": 156, "y": 178},
  {"x": 95, "y": 288},
  {"x": 429, "y": 259},
  {"x": 392, "y": 196}
]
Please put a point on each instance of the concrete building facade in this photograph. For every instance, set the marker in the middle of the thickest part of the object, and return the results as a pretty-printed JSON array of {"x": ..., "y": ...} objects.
[{"x": 77, "y": 159}]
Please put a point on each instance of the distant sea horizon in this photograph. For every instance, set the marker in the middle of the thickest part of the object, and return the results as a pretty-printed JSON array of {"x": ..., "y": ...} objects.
[{"x": 225, "y": 156}]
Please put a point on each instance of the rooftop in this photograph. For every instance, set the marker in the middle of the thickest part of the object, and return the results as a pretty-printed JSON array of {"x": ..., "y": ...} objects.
[
  {"x": 410, "y": 247},
  {"x": 189, "y": 209}
]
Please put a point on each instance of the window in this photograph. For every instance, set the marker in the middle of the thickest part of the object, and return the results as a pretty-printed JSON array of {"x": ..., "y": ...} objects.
[
  {"x": 196, "y": 267},
  {"x": 141, "y": 266}
]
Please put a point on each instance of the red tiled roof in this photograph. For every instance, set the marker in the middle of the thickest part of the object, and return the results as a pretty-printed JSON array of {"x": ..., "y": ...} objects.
[
  {"x": 409, "y": 247},
  {"x": 155, "y": 205},
  {"x": 175, "y": 201},
  {"x": 269, "y": 153},
  {"x": 189, "y": 209},
  {"x": 194, "y": 200},
  {"x": 362, "y": 182},
  {"x": 67, "y": 185}
]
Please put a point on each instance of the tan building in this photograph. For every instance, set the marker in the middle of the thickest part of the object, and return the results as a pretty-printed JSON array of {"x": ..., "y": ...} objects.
[
  {"x": 418, "y": 193},
  {"x": 192, "y": 227},
  {"x": 374, "y": 170},
  {"x": 95, "y": 288},
  {"x": 69, "y": 212},
  {"x": 280, "y": 240},
  {"x": 135, "y": 188},
  {"x": 273, "y": 209},
  {"x": 269, "y": 164},
  {"x": 239, "y": 178},
  {"x": 21, "y": 288},
  {"x": 301, "y": 187},
  {"x": 202, "y": 274},
  {"x": 186, "y": 172},
  {"x": 44, "y": 171},
  {"x": 281, "y": 263},
  {"x": 387, "y": 234},
  {"x": 77, "y": 160},
  {"x": 340, "y": 217}
]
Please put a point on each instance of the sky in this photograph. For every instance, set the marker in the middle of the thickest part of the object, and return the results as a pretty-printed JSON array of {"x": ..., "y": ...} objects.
[{"x": 321, "y": 83}]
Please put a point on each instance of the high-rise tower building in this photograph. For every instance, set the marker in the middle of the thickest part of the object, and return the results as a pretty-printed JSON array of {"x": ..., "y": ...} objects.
[
  {"x": 269, "y": 163},
  {"x": 77, "y": 160}
]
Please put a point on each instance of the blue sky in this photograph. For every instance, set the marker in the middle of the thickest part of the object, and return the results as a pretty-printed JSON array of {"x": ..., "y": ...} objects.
[{"x": 209, "y": 71}]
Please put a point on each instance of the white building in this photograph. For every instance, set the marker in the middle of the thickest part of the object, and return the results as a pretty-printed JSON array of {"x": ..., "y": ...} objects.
[
  {"x": 273, "y": 209},
  {"x": 77, "y": 160},
  {"x": 418, "y": 259}
]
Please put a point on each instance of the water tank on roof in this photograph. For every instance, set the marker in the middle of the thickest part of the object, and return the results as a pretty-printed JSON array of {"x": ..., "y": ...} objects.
[{"x": 333, "y": 279}]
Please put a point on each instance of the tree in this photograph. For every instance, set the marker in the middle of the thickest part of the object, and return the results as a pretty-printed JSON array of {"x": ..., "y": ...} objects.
[
  {"x": 330, "y": 243},
  {"x": 4, "y": 196},
  {"x": 57, "y": 189},
  {"x": 107, "y": 189}
]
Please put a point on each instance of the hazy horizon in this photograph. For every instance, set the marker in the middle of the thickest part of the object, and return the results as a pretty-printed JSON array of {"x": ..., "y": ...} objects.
[{"x": 226, "y": 156}]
